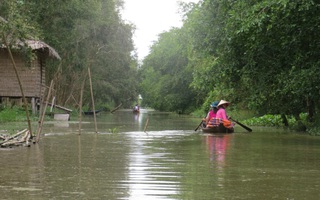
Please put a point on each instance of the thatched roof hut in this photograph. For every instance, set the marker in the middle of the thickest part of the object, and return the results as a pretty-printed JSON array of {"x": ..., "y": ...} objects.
[{"x": 32, "y": 75}]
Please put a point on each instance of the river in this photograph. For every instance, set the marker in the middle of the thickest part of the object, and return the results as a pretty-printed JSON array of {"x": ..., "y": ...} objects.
[{"x": 169, "y": 160}]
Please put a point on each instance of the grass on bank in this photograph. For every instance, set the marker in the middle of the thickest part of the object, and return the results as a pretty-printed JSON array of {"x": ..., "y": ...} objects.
[{"x": 14, "y": 114}]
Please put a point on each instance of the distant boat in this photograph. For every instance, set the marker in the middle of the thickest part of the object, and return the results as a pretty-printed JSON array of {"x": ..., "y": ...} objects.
[
  {"x": 136, "y": 111},
  {"x": 91, "y": 112}
]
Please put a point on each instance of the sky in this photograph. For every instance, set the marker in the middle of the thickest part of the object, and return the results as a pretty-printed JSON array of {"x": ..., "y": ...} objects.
[{"x": 151, "y": 17}]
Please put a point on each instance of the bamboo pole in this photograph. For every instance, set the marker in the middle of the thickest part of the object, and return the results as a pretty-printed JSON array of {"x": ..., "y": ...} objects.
[
  {"x": 14, "y": 136},
  {"x": 20, "y": 84},
  {"x": 80, "y": 106},
  {"x": 43, "y": 112},
  {"x": 92, "y": 99},
  {"x": 112, "y": 111},
  {"x": 145, "y": 127},
  {"x": 42, "y": 97}
]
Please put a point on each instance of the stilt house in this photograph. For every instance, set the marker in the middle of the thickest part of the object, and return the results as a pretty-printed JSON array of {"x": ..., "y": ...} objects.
[{"x": 32, "y": 75}]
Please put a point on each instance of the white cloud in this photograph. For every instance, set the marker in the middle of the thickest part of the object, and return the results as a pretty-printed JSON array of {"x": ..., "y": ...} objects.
[{"x": 151, "y": 17}]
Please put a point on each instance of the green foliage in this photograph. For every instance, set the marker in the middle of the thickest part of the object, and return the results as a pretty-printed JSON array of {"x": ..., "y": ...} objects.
[
  {"x": 276, "y": 120},
  {"x": 17, "y": 26},
  {"x": 266, "y": 120},
  {"x": 314, "y": 131},
  {"x": 260, "y": 55},
  {"x": 16, "y": 23},
  {"x": 85, "y": 34},
  {"x": 270, "y": 53},
  {"x": 113, "y": 130},
  {"x": 165, "y": 75},
  {"x": 265, "y": 53}
]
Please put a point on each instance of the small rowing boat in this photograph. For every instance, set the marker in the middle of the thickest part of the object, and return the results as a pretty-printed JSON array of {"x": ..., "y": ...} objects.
[
  {"x": 91, "y": 112},
  {"x": 218, "y": 129},
  {"x": 135, "y": 111}
]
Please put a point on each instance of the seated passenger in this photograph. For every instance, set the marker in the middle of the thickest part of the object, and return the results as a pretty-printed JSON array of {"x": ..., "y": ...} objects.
[
  {"x": 222, "y": 114},
  {"x": 212, "y": 113}
]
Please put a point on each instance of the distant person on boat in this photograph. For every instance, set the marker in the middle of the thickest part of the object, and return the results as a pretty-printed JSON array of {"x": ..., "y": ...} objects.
[
  {"x": 213, "y": 111},
  {"x": 136, "y": 108},
  {"x": 222, "y": 114}
]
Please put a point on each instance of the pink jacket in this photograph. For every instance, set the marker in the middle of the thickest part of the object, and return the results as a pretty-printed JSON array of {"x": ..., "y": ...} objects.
[{"x": 222, "y": 114}]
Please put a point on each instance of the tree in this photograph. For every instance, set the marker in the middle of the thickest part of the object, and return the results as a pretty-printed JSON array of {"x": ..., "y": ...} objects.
[
  {"x": 88, "y": 33},
  {"x": 165, "y": 74},
  {"x": 259, "y": 54}
]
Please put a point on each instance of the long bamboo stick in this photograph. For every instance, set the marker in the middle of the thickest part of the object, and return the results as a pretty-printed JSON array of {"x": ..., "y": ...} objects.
[
  {"x": 43, "y": 113},
  {"x": 145, "y": 127},
  {"x": 19, "y": 81},
  {"x": 112, "y": 111},
  {"x": 80, "y": 106},
  {"x": 92, "y": 99},
  {"x": 14, "y": 136}
]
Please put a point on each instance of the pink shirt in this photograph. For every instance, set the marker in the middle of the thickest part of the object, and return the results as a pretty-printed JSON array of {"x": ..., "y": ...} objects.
[
  {"x": 222, "y": 114},
  {"x": 211, "y": 114}
]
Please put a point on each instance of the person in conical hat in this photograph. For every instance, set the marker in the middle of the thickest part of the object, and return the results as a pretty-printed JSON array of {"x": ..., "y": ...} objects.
[
  {"x": 221, "y": 113},
  {"x": 223, "y": 102}
]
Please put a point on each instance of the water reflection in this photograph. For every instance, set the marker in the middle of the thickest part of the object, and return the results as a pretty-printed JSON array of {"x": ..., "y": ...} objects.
[
  {"x": 149, "y": 175},
  {"x": 137, "y": 117},
  {"x": 170, "y": 162},
  {"x": 217, "y": 147}
]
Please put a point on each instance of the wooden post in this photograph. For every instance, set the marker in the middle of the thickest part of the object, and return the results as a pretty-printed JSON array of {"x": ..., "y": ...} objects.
[
  {"x": 92, "y": 99},
  {"x": 33, "y": 105},
  {"x": 43, "y": 113},
  {"x": 52, "y": 104},
  {"x": 41, "y": 100}
]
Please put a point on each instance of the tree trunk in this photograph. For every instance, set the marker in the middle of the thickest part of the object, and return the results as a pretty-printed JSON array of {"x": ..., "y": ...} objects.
[
  {"x": 284, "y": 120},
  {"x": 311, "y": 110}
]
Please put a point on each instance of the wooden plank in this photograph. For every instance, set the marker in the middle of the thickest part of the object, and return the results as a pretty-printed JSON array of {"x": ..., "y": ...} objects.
[{"x": 60, "y": 107}]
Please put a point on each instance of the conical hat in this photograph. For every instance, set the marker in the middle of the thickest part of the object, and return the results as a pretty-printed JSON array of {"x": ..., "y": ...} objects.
[{"x": 223, "y": 102}]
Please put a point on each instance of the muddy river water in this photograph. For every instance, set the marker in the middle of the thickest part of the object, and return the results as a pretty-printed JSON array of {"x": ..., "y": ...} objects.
[{"x": 169, "y": 160}]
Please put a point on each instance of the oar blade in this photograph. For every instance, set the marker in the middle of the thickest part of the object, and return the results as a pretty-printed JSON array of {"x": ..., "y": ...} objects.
[{"x": 242, "y": 125}]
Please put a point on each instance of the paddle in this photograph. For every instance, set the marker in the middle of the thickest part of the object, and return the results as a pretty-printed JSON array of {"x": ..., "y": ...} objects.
[
  {"x": 198, "y": 126},
  {"x": 244, "y": 126}
]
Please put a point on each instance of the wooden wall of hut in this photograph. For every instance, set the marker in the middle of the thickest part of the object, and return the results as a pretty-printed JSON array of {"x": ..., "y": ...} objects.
[{"x": 32, "y": 77}]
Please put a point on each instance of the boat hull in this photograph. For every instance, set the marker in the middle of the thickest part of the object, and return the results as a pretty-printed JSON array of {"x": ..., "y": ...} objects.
[
  {"x": 91, "y": 112},
  {"x": 218, "y": 129}
]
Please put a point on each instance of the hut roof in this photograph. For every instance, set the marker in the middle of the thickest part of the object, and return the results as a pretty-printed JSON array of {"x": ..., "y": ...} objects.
[{"x": 37, "y": 44}]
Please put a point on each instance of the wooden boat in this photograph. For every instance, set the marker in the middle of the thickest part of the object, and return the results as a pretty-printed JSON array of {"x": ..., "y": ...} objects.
[
  {"x": 135, "y": 111},
  {"x": 218, "y": 129},
  {"x": 91, "y": 112}
]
